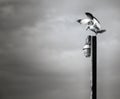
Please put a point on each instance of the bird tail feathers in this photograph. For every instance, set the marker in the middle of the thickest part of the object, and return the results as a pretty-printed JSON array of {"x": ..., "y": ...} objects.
[{"x": 101, "y": 31}]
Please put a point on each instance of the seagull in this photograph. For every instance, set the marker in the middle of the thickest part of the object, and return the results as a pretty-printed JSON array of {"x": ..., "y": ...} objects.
[{"x": 92, "y": 23}]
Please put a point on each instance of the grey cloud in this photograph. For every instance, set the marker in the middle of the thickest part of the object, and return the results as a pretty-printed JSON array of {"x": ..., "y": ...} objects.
[
  {"x": 40, "y": 53},
  {"x": 16, "y": 14}
]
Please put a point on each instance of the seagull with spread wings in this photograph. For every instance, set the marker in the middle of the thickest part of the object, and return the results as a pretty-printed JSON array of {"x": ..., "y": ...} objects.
[{"x": 92, "y": 23}]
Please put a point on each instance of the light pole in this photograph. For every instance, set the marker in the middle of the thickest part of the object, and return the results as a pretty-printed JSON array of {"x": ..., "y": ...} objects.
[
  {"x": 90, "y": 50},
  {"x": 94, "y": 67}
]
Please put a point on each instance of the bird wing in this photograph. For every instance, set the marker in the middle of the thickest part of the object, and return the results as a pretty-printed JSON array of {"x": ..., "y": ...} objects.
[
  {"x": 89, "y": 15},
  {"x": 96, "y": 23},
  {"x": 84, "y": 21}
]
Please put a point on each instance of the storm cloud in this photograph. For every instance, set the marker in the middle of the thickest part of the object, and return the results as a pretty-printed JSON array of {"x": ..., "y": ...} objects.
[{"x": 41, "y": 49}]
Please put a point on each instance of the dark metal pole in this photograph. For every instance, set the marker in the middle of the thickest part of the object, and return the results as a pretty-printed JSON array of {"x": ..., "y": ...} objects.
[{"x": 94, "y": 67}]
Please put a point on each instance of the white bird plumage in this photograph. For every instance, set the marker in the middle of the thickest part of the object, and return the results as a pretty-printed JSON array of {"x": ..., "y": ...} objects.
[{"x": 92, "y": 23}]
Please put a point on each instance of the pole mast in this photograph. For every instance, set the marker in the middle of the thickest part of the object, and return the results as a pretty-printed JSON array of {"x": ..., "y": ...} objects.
[{"x": 94, "y": 67}]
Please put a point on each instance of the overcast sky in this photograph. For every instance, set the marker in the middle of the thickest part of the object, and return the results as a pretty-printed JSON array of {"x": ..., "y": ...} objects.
[{"x": 41, "y": 49}]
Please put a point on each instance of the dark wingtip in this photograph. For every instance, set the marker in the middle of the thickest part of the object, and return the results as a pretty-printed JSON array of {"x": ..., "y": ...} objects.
[
  {"x": 87, "y": 12},
  {"x": 79, "y": 20},
  {"x": 89, "y": 15}
]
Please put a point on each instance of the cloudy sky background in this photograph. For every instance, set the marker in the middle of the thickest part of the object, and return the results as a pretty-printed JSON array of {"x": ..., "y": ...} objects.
[{"x": 40, "y": 49}]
